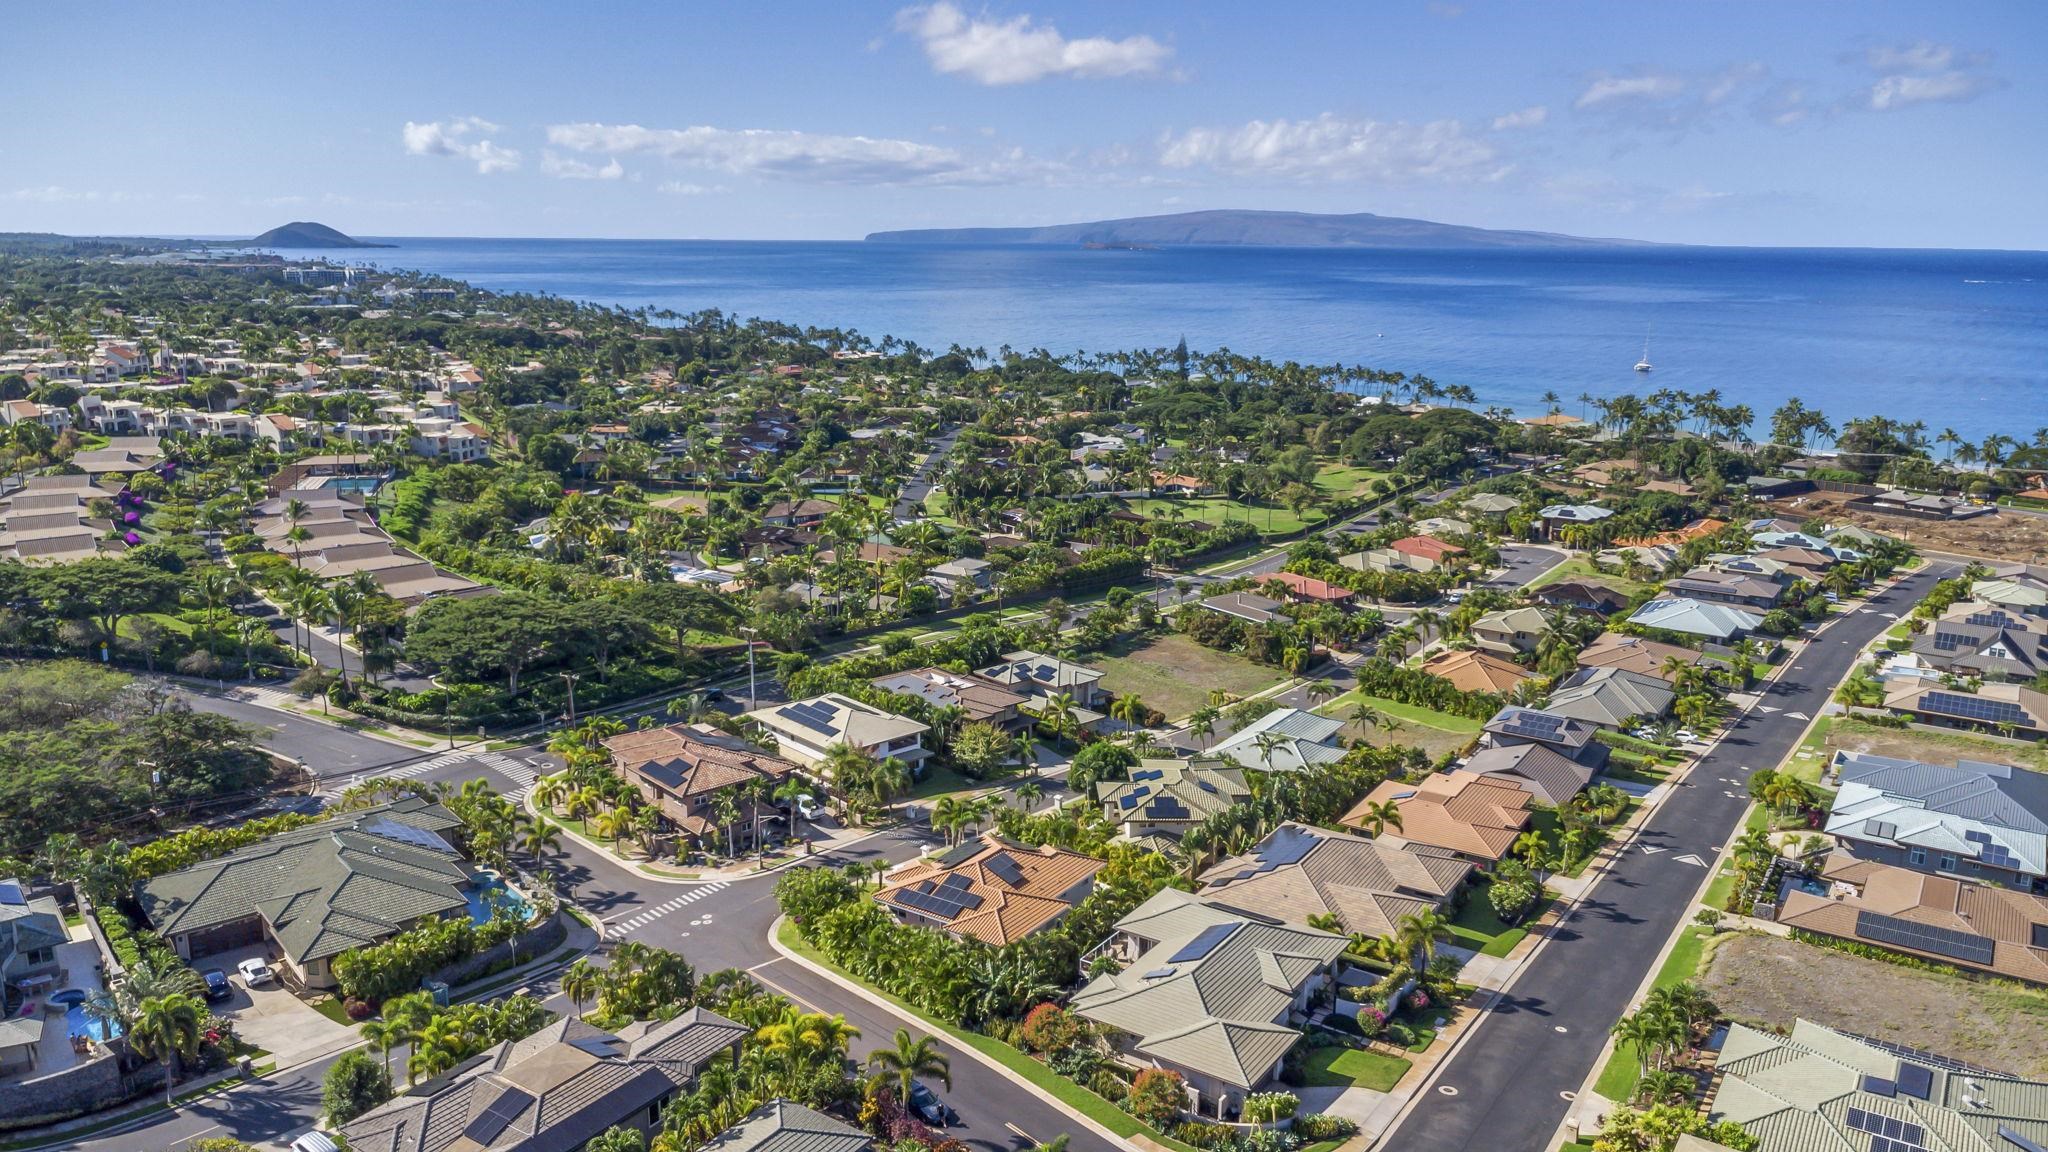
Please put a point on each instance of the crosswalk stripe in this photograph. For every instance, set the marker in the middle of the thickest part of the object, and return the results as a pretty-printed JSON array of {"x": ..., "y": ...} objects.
[{"x": 648, "y": 916}]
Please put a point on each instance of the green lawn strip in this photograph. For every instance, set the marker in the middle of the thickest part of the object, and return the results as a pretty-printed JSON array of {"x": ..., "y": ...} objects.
[
  {"x": 1476, "y": 926},
  {"x": 332, "y": 1008},
  {"x": 938, "y": 781},
  {"x": 1066, "y": 1091},
  {"x": 1580, "y": 568},
  {"x": 1547, "y": 822},
  {"x": 1346, "y": 479},
  {"x": 1810, "y": 767},
  {"x": 1346, "y": 1067},
  {"x": 1722, "y": 887},
  {"x": 1427, "y": 717},
  {"x": 1270, "y": 521},
  {"x": 1618, "y": 1080}
]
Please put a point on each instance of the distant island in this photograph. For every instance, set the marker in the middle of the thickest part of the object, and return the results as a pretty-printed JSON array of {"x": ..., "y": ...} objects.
[
  {"x": 1243, "y": 226},
  {"x": 306, "y": 234}
]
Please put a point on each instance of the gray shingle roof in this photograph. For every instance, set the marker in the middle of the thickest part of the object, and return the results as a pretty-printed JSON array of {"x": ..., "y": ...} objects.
[
  {"x": 1610, "y": 696},
  {"x": 1549, "y": 774},
  {"x": 786, "y": 1126}
]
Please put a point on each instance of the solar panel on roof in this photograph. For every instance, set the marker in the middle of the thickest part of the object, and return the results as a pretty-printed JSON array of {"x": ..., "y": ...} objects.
[
  {"x": 10, "y": 893},
  {"x": 1159, "y": 974},
  {"x": 492, "y": 1121},
  {"x": 1006, "y": 869},
  {"x": 1167, "y": 808},
  {"x": 1878, "y": 1086},
  {"x": 1149, "y": 774},
  {"x": 2018, "y": 1141},
  {"x": 2038, "y": 935},
  {"x": 406, "y": 834},
  {"x": 1285, "y": 846},
  {"x": 1203, "y": 944},
  {"x": 1965, "y": 946},
  {"x": 1977, "y": 708},
  {"x": 1915, "y": 1081}
]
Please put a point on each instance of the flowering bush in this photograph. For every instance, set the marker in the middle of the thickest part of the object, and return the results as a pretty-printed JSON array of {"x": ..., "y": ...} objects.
[{"x": 1418, "y": 999}]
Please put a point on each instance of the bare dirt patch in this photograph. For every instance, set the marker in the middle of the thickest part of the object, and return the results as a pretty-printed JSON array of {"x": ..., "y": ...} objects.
[
  {"x": 1932, "y": 747},
  {"x": 2003, "y": 535},
  {"x": 1767, "y": 981}
]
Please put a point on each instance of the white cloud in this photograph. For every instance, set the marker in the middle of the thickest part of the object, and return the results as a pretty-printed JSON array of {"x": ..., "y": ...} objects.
[
  {"x": 1016, "y": 51},
  {"x": 1611, "y": 89},
  {"x": 684, "y": 188},
  {"x": 59, "y": 194},
  {"x": 805, "y": 157},
  {"x": 1923, "y": 73},
  {"x": 1336, "y": 148},
  {"x": 567, "y": 168},
  {"x": 454, "y": 138},
  {"x": 1526, "y": 118}
]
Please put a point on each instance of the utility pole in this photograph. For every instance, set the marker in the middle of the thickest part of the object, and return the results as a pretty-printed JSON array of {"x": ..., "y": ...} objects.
[
  {"x": 752, "y": 701},
  {"x": 571, "y": 678}
]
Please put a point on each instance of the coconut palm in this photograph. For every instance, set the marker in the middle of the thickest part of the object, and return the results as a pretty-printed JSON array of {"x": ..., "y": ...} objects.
[
  {"x": 1379, "y": 815},
  {"x": 384, "y": 1034},
  {"x": 580, "y": 982},
  {"x": 1028, "y": 793},
  {"x": 910, "y": 1058},
  {"x": 167, "y": 1028}
]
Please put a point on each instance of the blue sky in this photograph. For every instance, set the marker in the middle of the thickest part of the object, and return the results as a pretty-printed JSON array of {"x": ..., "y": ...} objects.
[{"x": 1885, "y": 124}]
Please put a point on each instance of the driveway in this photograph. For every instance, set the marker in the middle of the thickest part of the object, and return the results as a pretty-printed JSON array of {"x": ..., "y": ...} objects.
[{"x": 271, "y": 1017}]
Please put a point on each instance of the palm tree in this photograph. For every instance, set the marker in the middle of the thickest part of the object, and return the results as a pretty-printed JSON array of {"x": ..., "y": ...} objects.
[
  {"x": 1417, "y": 935},
  {"x": 1128, "y": 709},
  {"x": 787, "y": 793},
  {"x": 167, "y": 1029},
  {"x": 580, "y": 982},
  {"x": 948, "y": 814},
  {"x": 540, "y": 840},
  {"x": 384, "y": 1035},
  {"x": 910, "y": 1058},
  {"x": 1380, "y": 815},
  {"x": 1529, "y": 845},
  {"x": 1058, "y": 712},
  {"x": 1366, "y": 716},
  {"x": 1028, "y": 792},
  {"x": 1268, "y": 743}
]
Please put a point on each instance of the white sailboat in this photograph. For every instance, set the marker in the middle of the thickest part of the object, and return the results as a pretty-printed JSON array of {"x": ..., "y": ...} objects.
[{"x": 1643, "y": 365}]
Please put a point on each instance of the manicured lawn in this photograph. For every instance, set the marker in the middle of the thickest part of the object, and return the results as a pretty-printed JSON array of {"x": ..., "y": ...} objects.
[
  {"x": 1348, "y": 1067},
  {"x": 1408, "y": 713},
  {"x": 1722, "y": 887},
  {"x": 1618, "y": 1080},
  {"x": 1811, "y": 757},
  {"x": 1274, "y": 520},
  {"x": 1174, "y": 675},
  {"x": 1580, "y": 568},
  {"x": 939, "y": 780},
  {"x": 332, "y": 1009},
  {"x": 1346, "y": 479},
  {"x": 1475, "y": 925},
  {"x": 1069, "y": 1093}
]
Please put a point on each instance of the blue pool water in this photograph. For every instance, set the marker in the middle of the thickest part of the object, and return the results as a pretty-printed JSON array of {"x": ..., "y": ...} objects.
[
  {"x": 77, "y": 1023},
  {"x": 480, "y": 900},
  {"x": 364, "y": 484}
]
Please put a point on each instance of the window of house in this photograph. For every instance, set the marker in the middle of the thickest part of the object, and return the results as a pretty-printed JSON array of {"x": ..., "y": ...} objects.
[
  {"x": 1918, "y": 856},
  {"x": 1948, "y": 862}
]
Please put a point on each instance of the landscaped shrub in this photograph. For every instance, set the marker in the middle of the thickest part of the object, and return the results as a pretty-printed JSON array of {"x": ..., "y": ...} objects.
[
  {"x": 1200, "y": 1133},
  {"x": 1108, "y": 1085},
  {"x": 1319, "y": 1126},
  {"x": 1156, "y": 1097},
  {"x": 1511, "y": 897},
  {"x": 1049, "y": 1028},
  {"x": 1266, "y": 1107},
  {"x": 1077, "y": 1063},
  {"x": 184, "y": 849}
]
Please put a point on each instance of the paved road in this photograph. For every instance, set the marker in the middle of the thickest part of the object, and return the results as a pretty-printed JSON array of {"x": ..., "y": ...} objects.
[
  {"x": 1524, "y": 563},
  {"x": 327, "y": 750},
  {"x": 1541, "y": 1039},
  {"x": 910, "y": 503}
]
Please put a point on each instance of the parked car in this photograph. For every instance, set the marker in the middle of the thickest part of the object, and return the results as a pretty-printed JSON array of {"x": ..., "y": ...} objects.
[
  {"x": 809, "y": 807},
  {"x": 930, "y": 1108},
  {"x": 1685, "y": 735},
  {"x": 255, "y": 971},
  {"x": 217, "y": 986},
  {"x": 713, "y": 695}
]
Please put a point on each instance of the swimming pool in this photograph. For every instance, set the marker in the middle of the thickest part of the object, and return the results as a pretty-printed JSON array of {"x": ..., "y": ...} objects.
[
  {"x": 480, "y": 898},
  {"x": 363, "y": 484},
  {"x": 78, "y": 1023}
]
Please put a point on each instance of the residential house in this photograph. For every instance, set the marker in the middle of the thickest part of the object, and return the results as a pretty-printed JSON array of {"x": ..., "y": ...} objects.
[
  {"x": 51, "y": 416},
  {"x": 1043, "y": 677},
  {"x": 1545, "y": 773},
  {"x": 1974, "y": 820},
  {"x": 1819, "y": 1090},
  {"x": 1567, "y": 735},
  {"x": 1369, "y": 885},
  {"x": 31, "y": 931},
  {"x": 1719, "y": 622},
  {"x": 1297, "y": 739},
  {"x": 990, "y": 889},
  {"x": 806, "y": 730},
  {"x": 1477, "y": 816},
  {"x": 963, "y": 575},
  {"x": 2006, "y": 709},
  {"x": 806, "y": 513},
  {"x": 978, "y": 699},
  {"x": 786, "y": 1126},
  {"x": 316, "y": 892},
  {"x": 1978, "y": 638},
  {"x": 1307, "y": 589},
  {"x": 1720, "y": 586},
  {"x": 1209, "y": 992},
  {"x": 686, "y": 770},
  {"x": 1556, "y": 518},
  {"x": 1469, "y": 670},
  {"x": 2026, "y": 597},
  {"x": 1165, "y": 798},
  {"x": 1440, "y": 526},
  {"x": 1650, "y": 657},
  {"x": 1491, "y": 504},
  {"x": 1510, "y": 631},
  {"x": 1249, "y": 607},
  {"x": 1581, "y": 595},
  {"x": 1423, "y": 553},
  {"x": 1655, "y": 557},
  {"x": 1693, "y": 530},
  {"x": 1611, "y": 697},
  {"x": 1985, "y": 927},
  {"x": 553, "y": 1091},
  {"x": 45, "y": 521}
]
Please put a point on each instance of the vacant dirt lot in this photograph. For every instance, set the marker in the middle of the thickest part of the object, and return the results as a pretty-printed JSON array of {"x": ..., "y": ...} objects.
[
  {"x": 1766, "y": 981},
  {"x": 1174, "y": 674},
  {"x": 1932, "y": 747},
  {"x": 2003, "y": 535}
]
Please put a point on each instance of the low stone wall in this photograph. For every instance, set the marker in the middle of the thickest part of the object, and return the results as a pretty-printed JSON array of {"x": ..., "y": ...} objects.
[
  {"x": 532, "y": 944},
  {"x": 82, "y": 1088}
]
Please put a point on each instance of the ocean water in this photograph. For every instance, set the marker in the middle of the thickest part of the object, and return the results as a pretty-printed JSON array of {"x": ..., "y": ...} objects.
[{"x": 1957, "y": 339}]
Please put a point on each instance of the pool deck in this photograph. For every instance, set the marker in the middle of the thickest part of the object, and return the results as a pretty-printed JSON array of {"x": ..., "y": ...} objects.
[{"x": 77, "y": 964}]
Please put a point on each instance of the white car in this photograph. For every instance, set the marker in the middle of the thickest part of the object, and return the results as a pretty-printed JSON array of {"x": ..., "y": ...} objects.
[
  {"x": 255, "y": 971},
  {"x": 809, "y": 808},
  {"x": 1686, "y": 735}
]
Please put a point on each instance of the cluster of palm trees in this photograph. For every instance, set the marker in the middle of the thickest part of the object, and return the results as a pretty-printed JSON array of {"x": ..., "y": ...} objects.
[
  {"x": 438, "y": 1038},
  {"x": 159, "y": 1007},
  {"x": 1671, "y": 1020}
]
